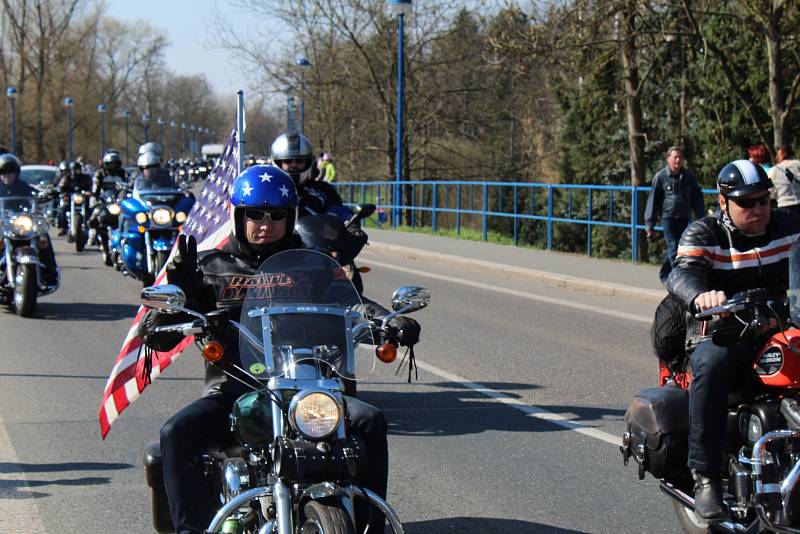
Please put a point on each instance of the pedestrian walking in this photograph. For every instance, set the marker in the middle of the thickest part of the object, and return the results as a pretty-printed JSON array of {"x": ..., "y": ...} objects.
[{"x": 674, "y": 196}]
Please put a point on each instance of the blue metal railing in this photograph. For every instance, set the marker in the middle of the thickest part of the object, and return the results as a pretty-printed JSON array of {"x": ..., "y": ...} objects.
[{"x": 427, "y": 203}]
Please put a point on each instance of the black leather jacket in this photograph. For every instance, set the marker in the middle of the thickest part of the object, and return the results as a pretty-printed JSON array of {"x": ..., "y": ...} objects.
[
  {"x": 103, "y": 180},
  {"x": 713, "y": 255},
  {"x": 225, "y": 272},
  {"x": 79, "y": 182},
  {"x": 19, "y": 188}
]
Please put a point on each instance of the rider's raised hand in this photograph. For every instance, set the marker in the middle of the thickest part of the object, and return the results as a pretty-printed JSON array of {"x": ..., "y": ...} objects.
[{"x": 183, "y": 270}]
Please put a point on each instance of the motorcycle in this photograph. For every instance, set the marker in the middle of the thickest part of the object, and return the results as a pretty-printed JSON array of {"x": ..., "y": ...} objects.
[
  {"x": 104, "y": 219},
  {"x": 296, "y": 464},
  {"x": 24, "y": 232},
  {"x": 761, "y": 468},
  {"x": 77, "y": 221},
  {"x": 149, "y": 224},
  {"x": 328, "y": 233}
]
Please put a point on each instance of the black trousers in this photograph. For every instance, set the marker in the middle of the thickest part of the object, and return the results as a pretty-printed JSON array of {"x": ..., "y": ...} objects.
[
  {"x": 715, "y": 369},
  {"x": 204, "y": 424}
]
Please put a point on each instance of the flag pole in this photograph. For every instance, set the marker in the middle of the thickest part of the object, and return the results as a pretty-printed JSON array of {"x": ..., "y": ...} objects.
[{"x": 240, "y": 128}]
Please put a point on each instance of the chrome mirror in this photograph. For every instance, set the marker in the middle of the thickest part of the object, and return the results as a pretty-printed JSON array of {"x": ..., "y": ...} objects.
[
  {"x": 408, "y": 299},
  {"x": 168, "y": 298}
]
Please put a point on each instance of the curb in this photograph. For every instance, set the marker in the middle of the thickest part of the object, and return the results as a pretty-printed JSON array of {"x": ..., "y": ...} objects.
[{"x": 546, "y": 278}]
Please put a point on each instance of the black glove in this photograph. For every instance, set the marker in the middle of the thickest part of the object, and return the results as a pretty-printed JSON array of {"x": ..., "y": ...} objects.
[
  {"x": 407, "y": 330},
  {"x": 182, "y": 271}
]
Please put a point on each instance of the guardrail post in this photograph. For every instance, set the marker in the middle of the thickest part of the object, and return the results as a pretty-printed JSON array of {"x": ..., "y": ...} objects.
[
  {"x": 549, "y": 217},
  {"x": 413, "y": 203},
  {"x": 485, "y": 201},
  {"x": 435, "y": 206},
  {"x": 458, "y": 209},
  {"x": 515, "y": 215},
  {"x": 611, "y": 206},
  {"x": 363, "y": 194},
  {"x": 589, "y": 227},
  {"x": 634, "y": 221}
]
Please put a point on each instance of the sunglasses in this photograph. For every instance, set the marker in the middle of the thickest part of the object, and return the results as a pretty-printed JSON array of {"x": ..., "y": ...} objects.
[
  {"x": 298, "y": 161},
  {"x": 748, "y": 203},
  {"x": 257, "y": 215}
]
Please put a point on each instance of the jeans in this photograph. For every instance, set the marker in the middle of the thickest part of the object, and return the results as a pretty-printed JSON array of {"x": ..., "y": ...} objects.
[
  {"x": 715, "y": 369},
  {"x": 673, "y": 230},
  {"x": 204, "y": 424}
]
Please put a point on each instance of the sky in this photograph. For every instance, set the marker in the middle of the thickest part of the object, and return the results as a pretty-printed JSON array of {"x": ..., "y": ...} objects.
[{"x": 186, "y": 24}]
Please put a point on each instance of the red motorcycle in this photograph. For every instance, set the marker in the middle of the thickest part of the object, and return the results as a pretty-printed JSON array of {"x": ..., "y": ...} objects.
[{"x": 761, "y": 468}]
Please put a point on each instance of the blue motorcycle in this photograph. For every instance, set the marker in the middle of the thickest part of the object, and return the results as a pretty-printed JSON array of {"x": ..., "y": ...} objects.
[{"x": 149, "y": 223}]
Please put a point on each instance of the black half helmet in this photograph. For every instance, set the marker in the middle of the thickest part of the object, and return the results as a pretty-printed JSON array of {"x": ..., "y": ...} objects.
[
  {"x": 9, "y": 164},
  {"x": 742, "y": 177}
]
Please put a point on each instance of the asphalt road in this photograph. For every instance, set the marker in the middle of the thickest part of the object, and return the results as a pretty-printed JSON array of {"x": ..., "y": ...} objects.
[{"x": 509, "y": 428}]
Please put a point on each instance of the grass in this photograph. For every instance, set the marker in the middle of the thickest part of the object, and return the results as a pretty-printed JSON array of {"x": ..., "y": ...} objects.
[{"x": 466, "y": 233}]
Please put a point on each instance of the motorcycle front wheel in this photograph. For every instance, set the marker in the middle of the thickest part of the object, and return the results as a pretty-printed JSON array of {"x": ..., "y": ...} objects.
[
  {"x": 690, "y": 521},
  {"x": 25, "y": 291},
  {"x": 80, "y": 238},
  {"x": 326, "y": 518}
]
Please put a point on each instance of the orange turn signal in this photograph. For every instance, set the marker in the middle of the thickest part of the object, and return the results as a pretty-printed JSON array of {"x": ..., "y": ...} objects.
[
  {"x": 213, "y": 351},
  {"x": 364, "y": 269},
  {"x": 387, "y": 353},
  {"x": 141, "y": 229}
]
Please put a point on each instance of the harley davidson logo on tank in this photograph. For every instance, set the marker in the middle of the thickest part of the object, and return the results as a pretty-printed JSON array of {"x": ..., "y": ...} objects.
[{"x": 779, "y": 364}]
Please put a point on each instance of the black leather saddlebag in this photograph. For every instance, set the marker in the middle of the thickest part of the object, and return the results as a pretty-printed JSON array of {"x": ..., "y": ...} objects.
[
  {"x": 159, "y": 506},
  {"x": 657, "y": 436}
]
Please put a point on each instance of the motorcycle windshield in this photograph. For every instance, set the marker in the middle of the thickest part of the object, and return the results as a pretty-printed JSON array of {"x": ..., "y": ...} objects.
[
  {"x": 794, "y": 283},
  {"x": 10, "y": 205},
  {"x": 300, "y": 305}
]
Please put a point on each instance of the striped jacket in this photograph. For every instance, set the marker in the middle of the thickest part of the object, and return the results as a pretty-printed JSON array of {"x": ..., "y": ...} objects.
[{"x": 712, "y": 255}]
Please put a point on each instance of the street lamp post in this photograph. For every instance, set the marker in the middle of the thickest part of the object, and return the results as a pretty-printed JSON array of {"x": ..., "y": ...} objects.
[
  {"x": 183, "y": 139},
  {"x": 101, "y": 110},
  {"x": 146, "y": 122},
  {"x": 11, "y": 93},
  {"x": 126, "y": 115},
  {"x": 401, "y": 8},
  {"x": 303, "y": 63},
  {"x": 68, "y": 103},
  {"x": 193, "y": 140},
  {"x": 172, "y": 129},
  {"x": 160, "y": 122}
]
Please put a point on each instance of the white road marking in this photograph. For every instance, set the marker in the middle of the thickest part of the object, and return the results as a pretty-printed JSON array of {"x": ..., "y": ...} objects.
[
  {"x": 17, "y": 501},
  {"x": 530, "y": 296},
  {"x": 535, "y": 411}
]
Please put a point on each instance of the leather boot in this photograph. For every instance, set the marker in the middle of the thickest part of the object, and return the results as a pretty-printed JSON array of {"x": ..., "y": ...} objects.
[{"x": 708, "y": 496}]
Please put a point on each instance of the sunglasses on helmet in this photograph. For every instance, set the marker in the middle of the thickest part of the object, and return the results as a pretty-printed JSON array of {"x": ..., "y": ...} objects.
[
  {"x": 258, "y": 215},
  {"x": 748, "y": 203}
]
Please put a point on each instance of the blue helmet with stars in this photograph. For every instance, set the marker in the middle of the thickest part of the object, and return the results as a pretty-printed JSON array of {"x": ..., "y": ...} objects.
[{"x": 263, "y": 187}]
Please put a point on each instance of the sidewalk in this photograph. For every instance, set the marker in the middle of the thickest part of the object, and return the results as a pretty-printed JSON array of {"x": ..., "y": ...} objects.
[{"x": 571, "y": 271}]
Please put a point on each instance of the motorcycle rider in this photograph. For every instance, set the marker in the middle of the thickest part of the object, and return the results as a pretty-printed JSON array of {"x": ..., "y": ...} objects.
[
  {"x": 294, "y": 154},
  {"x": 76, "y": 180},
  {"x": 744, "y": 247},
  {"x": 263, "y": 211},
  {"x": 12, "y": 186},
  {"x": 152, "y": 175},
  {"x": 110, "y": 174},
  {"x": 110, "y": 177}
]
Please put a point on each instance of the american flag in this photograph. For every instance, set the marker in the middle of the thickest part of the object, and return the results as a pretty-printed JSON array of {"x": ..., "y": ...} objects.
[{"x": 209, "y": 222}]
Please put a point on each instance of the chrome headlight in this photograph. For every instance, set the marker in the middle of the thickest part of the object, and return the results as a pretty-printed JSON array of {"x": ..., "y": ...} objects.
[
  {"x": 113, "y": 209},
  {"x": 315, "y": 414},
  {"x": 141, "y": 217},
  {"x": 180, "y": 216},
  {"x": 22, "y": 224},
  {"x": 161, "y": 216},
  {"x": 78, "y": 199},
  {"x": 202, "y": 169}
]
